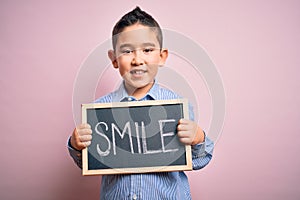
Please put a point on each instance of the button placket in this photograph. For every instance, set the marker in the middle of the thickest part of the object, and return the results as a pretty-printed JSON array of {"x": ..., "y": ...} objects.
[{"x": 135, "y": 186}]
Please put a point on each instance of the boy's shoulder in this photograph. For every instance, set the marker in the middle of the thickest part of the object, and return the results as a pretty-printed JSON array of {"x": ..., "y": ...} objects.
[
  {"x": 105, "y": 99},
  {"x": 163, "y": 93}
]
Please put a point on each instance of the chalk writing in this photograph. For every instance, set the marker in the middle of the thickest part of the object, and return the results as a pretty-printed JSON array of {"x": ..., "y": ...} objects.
[{"x": 127, "y": 129}]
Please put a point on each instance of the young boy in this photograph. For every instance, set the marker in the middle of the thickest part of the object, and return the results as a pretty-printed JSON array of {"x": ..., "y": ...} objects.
[{"x": 137, "y": 54}]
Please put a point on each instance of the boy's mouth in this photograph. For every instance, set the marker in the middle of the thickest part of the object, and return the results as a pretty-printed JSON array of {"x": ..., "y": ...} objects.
[{"x": 137, "y": 72}]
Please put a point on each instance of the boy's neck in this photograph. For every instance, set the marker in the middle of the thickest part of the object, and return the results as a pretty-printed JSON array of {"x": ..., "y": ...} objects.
[{"x": 138, "y": 93}]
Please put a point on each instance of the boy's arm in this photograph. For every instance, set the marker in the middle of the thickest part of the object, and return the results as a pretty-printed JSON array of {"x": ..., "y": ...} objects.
[
  {"x": 190, "y": 133},
  {"x": 80, "y": 139},
  {"x": 75, "y": 154},
  {"x": 202, "y": 153}
]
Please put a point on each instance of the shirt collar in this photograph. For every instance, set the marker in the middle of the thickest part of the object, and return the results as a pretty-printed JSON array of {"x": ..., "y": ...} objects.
[{"x": 122, "y": 94}]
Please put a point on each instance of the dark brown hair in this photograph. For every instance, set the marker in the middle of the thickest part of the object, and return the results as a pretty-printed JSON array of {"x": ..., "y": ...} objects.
[{"x": 133, "y": 17}]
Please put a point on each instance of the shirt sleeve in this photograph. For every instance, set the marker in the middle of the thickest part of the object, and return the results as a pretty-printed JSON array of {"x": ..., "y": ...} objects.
[
  {"x": 75, "y": 154},
  {"x": 202, "y": 153}
]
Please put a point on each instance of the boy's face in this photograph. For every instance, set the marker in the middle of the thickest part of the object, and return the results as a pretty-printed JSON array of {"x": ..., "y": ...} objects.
[{"x": 138, "y": 55}]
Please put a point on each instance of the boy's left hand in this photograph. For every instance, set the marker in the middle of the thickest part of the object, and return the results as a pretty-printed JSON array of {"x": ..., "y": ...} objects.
[{"x": 189, "y": 132}]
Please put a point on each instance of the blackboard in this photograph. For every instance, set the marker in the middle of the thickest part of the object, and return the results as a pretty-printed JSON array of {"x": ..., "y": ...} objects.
[{"x": 135, "y": 137}]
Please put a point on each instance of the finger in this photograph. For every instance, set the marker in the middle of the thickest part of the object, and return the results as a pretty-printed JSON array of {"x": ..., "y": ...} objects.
[
  {"x": 184, "y": 121},
  {"x": 184, "y": 127},
  {"x": 86, "y": 144},
  {"x": 85, "y": 138},
  {"x": 84, "y": 126},
  {"x": 84, "y": 132},
  {"x": 186, "y": 141},
  {"x": 187, "y": 135},
  {"x": 184, "y": 134},
  {"x": 83, "y": 145}
]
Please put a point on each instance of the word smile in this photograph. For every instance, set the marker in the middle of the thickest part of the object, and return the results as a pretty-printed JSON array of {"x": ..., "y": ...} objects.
[{"x": 141, "y": 148}]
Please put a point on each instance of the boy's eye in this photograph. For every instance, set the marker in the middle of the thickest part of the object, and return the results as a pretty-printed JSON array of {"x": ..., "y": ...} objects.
[
  {"x": 148, "y": 50},
  {"x": 126, "y": 51}
]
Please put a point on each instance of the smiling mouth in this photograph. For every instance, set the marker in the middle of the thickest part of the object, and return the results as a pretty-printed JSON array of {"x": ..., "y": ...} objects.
[{"x": 137, "y": 72}]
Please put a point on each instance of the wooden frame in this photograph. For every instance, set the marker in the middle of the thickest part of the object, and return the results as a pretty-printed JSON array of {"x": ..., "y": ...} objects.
[{"x": 86, "y": 170}]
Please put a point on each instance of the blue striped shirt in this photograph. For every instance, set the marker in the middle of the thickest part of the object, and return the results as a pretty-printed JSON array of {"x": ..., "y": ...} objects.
[{"x": 149, "y": 186}]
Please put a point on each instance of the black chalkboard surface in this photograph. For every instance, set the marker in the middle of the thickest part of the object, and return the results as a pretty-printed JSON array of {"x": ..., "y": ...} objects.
[{"x": 135, "y": 137}]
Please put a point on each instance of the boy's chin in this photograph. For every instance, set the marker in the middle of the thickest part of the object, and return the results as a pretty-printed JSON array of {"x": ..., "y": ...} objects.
[{"x": 139, "y": 86}]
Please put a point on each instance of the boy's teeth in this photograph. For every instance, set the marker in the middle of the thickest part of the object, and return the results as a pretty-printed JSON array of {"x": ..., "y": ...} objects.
[{"x": 137, "y": 71}]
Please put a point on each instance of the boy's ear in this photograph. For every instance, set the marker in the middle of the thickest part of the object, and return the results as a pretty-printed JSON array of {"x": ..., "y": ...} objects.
[
  {"x": 163, "y": 56},
  {"x": 112, "y": 57}
]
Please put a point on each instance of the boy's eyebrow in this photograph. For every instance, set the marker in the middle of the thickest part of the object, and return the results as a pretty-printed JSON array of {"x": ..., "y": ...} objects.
[
  {"x": 125, "y": 45},
  {"x": 149, "y": 44},
  {"x": 143, "y": 44}
]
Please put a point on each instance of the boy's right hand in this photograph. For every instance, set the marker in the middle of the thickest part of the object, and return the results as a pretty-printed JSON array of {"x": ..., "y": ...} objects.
[{"x": 81, "y": 137}]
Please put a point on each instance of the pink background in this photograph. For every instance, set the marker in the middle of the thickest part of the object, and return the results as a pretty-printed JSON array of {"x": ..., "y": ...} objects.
[{"x": 254, "y": 44}]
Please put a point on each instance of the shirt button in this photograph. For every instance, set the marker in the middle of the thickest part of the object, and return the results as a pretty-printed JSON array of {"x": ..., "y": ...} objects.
[{"x": 134, "y": 197}]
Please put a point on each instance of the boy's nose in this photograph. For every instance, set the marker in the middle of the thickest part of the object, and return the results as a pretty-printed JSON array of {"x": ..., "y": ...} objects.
[{"x": 137, "y": 58}]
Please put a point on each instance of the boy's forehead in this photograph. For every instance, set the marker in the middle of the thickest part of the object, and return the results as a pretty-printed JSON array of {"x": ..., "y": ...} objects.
[{"x": 136, "y": 36}]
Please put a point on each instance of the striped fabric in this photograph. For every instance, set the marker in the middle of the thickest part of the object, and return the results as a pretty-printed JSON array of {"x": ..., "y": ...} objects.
[{"x": 150, "y": 186}]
